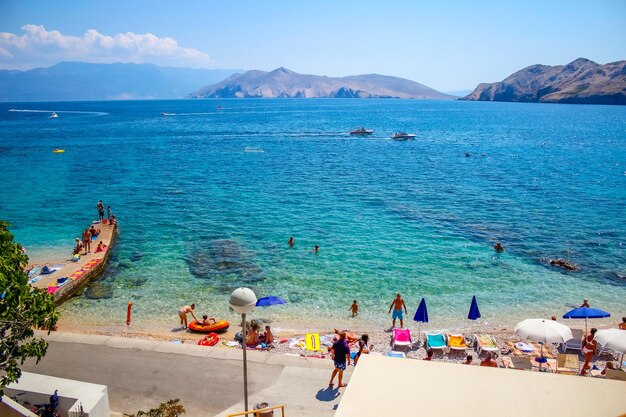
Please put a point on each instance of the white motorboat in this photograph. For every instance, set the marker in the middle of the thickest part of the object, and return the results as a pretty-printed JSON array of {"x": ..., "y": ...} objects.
[
  {"x": 53, "y": 115},
  {"x": 361, "y": 131},
  {"x": 403, "y": 136}
]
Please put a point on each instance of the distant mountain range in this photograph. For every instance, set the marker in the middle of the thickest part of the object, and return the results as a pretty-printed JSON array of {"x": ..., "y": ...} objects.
[
  {"x": 283, "y": 83},
  {"x": 84, "y": 81},
  {"x": 581, "y": 81}
]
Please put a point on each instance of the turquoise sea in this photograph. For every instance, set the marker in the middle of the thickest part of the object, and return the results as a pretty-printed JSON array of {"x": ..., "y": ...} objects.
[{"x": 199, "y": 215}]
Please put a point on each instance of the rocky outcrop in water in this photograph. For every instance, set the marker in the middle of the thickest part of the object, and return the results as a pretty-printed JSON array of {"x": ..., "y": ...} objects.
[
  {"x": 561, "y": 263},
  {"x": 581, "y": 81},
  {"x": 223, "y": 262}
]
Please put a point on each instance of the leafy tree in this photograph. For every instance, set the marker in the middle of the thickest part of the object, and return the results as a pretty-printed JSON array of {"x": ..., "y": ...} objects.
[
  {"x": 172, "y": 408},
  {"x": 22, "y": 308}
]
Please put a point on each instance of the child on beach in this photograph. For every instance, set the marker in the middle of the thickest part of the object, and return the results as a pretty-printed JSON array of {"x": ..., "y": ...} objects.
[
  {"x": 267, "y": 337},
  {"x": 354, "y": 308}
]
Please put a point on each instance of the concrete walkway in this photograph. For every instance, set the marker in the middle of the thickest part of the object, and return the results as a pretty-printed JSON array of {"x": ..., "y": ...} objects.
[{"x": 141, "y": 374}]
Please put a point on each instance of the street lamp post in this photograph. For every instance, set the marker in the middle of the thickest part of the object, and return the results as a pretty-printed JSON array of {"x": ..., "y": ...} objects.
[{"x": 243, "y": 301}]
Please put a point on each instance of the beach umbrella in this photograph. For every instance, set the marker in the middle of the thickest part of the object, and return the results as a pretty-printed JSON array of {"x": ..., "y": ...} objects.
[
  {"x": 586, "y": 313},
  {"x": 421, "y": 316},
  {"x": 270, "y": 301},
  {"x": 614, "y": 339},
  {"x": 474, "y": 312},
  {"x": 543, "y": 331}
]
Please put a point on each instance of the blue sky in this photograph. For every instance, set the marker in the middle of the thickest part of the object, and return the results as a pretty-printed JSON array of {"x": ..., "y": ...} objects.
[{"x": 447, "y": 45}]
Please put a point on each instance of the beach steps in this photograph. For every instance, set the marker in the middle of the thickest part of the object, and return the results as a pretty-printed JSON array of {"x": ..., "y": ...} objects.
[{"x": 79, "y": 273}]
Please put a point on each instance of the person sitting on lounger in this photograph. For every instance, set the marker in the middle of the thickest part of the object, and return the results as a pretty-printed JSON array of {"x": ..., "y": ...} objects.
[
  {"x": 488, "y": 361},
  {"x": 609, "y": 365},
  {"x": 622, "y": 325},
  {"x": 206, "y": 320},
  {"x": 468, "y": 360}
]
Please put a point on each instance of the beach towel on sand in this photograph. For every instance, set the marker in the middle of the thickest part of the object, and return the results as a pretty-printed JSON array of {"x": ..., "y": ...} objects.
[{"x": 312, "y": 342}]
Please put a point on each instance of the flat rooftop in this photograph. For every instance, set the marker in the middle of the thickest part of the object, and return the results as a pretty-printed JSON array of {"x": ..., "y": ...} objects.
[{"x": 383, "y": 386}]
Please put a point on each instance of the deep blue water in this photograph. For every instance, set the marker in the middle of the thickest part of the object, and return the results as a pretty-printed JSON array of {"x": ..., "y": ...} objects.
[{"x": 199, "y": 216}]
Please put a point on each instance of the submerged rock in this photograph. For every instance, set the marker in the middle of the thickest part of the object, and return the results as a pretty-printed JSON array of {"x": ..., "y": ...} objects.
[
  {"x": 561, "y": 263},
  {"x": 223, "y": 262},
  {"x": 136, "y": 256},
  {"x": 98, "y": 290}
]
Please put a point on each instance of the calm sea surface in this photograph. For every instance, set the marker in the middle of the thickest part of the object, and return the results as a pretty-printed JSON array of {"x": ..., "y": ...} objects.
[{"x": 200, "y": 216}]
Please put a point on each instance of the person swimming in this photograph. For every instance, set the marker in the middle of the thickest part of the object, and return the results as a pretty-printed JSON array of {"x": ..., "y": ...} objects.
[
  {"x": 290, "y": 241},
  {"x": 498, "y": 247}
]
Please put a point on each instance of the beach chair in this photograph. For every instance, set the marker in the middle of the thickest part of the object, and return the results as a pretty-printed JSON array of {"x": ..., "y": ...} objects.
[
  {"x": 521, "y": 362},
  {"x": 401, "y": 337},
  {"x": 394, "y": 354},
  {"x": 435, "y": 341},
  {"x": 567, "y": 364},
  {"x": 616, "y": 374},
  {"x": 485, "y": 342},
  {"x": 573, "y": 343},
  {"x": 456, "y": 342}
]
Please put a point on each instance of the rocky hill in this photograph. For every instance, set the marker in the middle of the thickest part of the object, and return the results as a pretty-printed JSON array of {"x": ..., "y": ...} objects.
[
  {"x": 283, "y": 83},
  {"x": 581, "y": 81},
  {"x": 86, "y": 81}
]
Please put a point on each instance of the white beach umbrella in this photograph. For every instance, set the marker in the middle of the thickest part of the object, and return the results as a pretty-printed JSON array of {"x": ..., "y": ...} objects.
[
  {"x": 543, "y": 331},
  {"x": 614, "y": 339}
]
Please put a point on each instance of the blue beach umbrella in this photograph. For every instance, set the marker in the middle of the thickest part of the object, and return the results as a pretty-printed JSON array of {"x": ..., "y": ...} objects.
[
  {"x": 270, "y": 301},
  {"x": 586, "y": 313},
  {"x": 474, "y": 312},
  {"x": 421, "y": 316}
]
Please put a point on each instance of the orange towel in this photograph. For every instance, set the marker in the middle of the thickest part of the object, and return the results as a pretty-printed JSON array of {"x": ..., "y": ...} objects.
[{"x": 456, "y": 341}]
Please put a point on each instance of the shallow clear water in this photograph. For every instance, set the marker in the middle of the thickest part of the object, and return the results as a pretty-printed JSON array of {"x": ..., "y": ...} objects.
[{"x": 200, "y": 217}]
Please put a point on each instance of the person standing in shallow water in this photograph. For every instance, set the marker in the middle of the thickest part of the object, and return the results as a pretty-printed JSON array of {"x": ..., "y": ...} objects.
[
  {"x": 182, "y": 313},
  {"x": 397, "y": 304},
  {"x": 290, "y": 241}
]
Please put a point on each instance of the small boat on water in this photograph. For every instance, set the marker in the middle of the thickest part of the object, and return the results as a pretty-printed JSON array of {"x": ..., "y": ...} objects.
[
  {"x": 59, "y": 151},
  {"x": 219, "y": 108},
  {"x": 403, "y": 136},
  {"x": 167, "y": 114},
  {"x": 253, "y": 149},
  {"x": 361, "y": 132},
  {"x": 53, "y": 115}
]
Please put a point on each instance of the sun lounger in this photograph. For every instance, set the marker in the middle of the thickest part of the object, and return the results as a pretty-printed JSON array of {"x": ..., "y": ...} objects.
[
  {"x": 401, "y": 337},
  {"x": 567, "y": 364},
  {"x": 520, "y": 362},
  {"x": 395, "y": 354},
  {"x": 485, "y": 342},
  {"x": 435, "y": 341},
  {"x": 456, "y": 342},
  {"x": 574, "y": 343}
]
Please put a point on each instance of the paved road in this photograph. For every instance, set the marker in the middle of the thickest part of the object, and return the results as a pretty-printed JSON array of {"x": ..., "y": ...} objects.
[{"x": 141, "y": 374}]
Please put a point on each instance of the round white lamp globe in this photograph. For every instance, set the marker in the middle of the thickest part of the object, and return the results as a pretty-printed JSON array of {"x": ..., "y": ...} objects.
[{"x": 243, "y": 300}]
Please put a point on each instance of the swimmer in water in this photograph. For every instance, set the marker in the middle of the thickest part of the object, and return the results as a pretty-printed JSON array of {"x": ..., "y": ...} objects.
[
  {"x": 316, "y": 249},
  {"x": 290, "y": 241},
  {"x": 498, "y": 247}
]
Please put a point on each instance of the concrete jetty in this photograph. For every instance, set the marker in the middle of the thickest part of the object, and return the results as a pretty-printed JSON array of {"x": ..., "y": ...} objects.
[{"x": 72, "y": 276}]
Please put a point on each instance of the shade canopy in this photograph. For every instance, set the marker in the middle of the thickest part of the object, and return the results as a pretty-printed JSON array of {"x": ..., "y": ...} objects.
[
  {"x": 543, "y": 331},
  {"x": 474, "y": 312},
  {"x": 421, "y": 315},
  {"x": 614, "y": 339},
  {"x": 586, "y": 313},
  {"x": 270, "y": 301}
]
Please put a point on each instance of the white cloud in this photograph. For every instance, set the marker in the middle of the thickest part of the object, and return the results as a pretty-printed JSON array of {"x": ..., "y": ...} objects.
[{"x": 40, "y": 47}]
